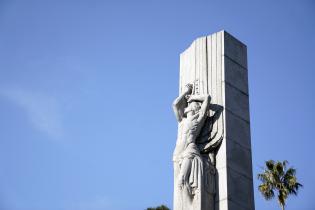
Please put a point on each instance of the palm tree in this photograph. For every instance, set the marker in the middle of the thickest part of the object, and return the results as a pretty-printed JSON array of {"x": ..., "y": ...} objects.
[{"x": 276, "y": 178}]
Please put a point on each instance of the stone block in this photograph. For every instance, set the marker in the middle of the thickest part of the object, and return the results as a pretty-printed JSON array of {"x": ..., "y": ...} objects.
[
  {"x": 236, "y": 75},
  {"x": 221, "y": 184},
  {"x": 239, "y": 158},
  {"x": 235, "y": 50},
  {"x": 237, "y": 129},
  {"x": 226, "y": 204},
  {"x": 234, "y": 206},
  {"x": 240, "y": 189},
  {"x": 221, "y": 156},
  {"x": 236, "y": 102},
  {"x": 221, "y": 204}
]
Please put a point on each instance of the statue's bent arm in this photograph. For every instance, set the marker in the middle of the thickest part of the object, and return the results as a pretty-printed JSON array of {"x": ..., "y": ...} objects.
[
  {"x": 177, "y": 108},
  {"x": 204, "y": 108},
  {"x": 180, "y": 103}
]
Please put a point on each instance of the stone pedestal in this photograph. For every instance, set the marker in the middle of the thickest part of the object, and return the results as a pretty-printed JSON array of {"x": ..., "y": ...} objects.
[{"x": 217, "y": 65}]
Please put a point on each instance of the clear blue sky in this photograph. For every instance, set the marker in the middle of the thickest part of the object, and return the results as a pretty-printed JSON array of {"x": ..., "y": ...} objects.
[{"x": 86, "y": 90}]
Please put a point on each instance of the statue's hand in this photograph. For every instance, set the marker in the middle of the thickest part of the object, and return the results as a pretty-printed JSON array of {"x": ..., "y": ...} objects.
[
  {"x": 191, "y": 98},
  {"x": 200, "y": 98},
  {"x": 188, "y": 88}
]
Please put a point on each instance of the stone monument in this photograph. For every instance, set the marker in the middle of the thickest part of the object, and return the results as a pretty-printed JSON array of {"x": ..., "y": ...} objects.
[{"x": 212, "y": 157}]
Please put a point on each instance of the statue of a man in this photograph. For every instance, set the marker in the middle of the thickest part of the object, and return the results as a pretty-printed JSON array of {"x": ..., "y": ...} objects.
[{"x": 191, "y": 113}]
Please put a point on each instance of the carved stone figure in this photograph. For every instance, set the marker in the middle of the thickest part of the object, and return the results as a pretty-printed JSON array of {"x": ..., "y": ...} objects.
[
  {"x": 194, "y": 155},
  {"x": 212, "y": 158}
]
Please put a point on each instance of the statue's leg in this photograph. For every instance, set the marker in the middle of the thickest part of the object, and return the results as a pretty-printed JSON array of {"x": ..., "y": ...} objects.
[
  {"x": 183, "y": 177},
  {"x": 184, "y": 185}
]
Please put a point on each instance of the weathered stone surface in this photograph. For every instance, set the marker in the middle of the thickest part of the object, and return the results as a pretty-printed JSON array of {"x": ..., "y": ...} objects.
[
  {"x": 237, "y": 129},
  {"x": 222, "y": 204},
  {"x": 237, "y": 102},
  {"x": 236, "y": 75},
  {"x": 230, "y": 205},
  {"x": 234, "y": 206},
  {"x": 235, "y": 50},
  {"x": 240, "y": 189},
  {"x": 239, "y": 158},
  {"x": 221, "y": 157},
  {"x": 222, "y": 188}
]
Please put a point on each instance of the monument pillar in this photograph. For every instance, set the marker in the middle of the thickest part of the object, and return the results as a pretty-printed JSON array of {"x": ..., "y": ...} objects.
[{"x": 217, "y": 65}]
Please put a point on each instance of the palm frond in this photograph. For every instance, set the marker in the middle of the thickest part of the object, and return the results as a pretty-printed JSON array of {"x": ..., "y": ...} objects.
[
  {"x": 279, "y": 169},
  {"x": 290, "y": 172},
  {"x": 270, "y": 164},
  {"x": 266, "y": 191}
]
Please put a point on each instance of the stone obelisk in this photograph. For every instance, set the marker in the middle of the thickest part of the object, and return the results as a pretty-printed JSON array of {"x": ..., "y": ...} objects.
[{"x": 212, "y": 158}]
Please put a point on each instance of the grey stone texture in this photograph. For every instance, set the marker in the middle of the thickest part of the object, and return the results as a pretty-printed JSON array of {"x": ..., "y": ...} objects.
[
  {"x": 217, "y": 65},
  {"x": 236, "y": 76},
  {"x": 237, "y": 129},
  {"x": 235, "y": 50},
  {"x": 240, "y": 194},
  {"x": 237, "y": 102}
]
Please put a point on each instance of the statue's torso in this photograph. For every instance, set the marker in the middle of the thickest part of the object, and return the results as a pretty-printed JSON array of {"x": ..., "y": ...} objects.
[{"x": 188, "y": 131}]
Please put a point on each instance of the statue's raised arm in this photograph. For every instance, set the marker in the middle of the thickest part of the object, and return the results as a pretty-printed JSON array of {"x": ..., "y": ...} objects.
[
  {"x": 180, "y": 102},
  {"x": 205, "y": 104}
]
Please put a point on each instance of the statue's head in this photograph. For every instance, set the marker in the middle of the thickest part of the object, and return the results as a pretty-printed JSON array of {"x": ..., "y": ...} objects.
[{"x": 192, "y": 107}]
